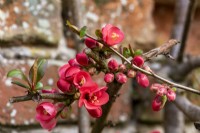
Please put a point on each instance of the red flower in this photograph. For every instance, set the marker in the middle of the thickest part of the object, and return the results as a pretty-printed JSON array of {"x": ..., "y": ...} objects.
[
  {"x": 138, "y": 61},
  {"x": 157, "y": 103},
  {"x": 62, "y": 70},
  {"x": 73, "y": 62},
  {"x": 46, "y": 113},
  {"x": 93, "y": 98},
  {"x": 112, "y": 35},
  {"x": 71, "y": 72},
  {"x": 82, "y": 59},
  {"x": 142, "y": 80},
  {"x": 82, "y": 78},
  {"x": 90, "y": 43},
  {"x": 63, "y": 85}
]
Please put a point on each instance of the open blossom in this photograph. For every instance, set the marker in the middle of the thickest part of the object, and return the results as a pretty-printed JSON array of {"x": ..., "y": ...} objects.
[
  {"x": 82, "y": 59},
  {"x": 142, "y": 80},
  {"x": 138, "y": 61},
  {"x": 73, "y": 62},
  {"x": 45, "y": 114},
  {"x": 82, "y": 78},
  {"x": 93, "y": 98},
  {"x": 154, "y": 87},
  {"x": 112, "y": 35},
  {"x": 90, "y": 43}
]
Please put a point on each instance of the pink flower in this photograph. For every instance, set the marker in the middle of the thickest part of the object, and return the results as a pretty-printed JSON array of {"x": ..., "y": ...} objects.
[
  {"x": 142, "y": 80},
  {"x": 138, "y": 61},
  {"x": 45, "y": 114},
  {"x": 64, "y": 85},
  {"x": 73, "y": 62},
  {"x": 112, "y": 35},
  {"x": 71, "y": 72},
  {"x": 131, "y": 73},
  {"x": 113, "y": 65},
  {"x": 121, "y": 78},
  {"x": 157, "y": 103},
  {"x": 82, "y": 78},
  {"x": 171, "y": 95},
  {"x": 154, "y": 87},
  {"x": 161, "y": 91},
  {"x": 93, "y": 98},
  {"x": 109, "y": 77},
  {"x": 53, "y": 90},
  {"x": 82, "y": 59},
  {"x": 62, "y": 70},
  {"x": 96, "y": 113},
  {"x": 90, "y": 43}
]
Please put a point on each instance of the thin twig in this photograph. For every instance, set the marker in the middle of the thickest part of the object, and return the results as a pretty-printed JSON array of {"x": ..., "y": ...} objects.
[{"x": 149, "y": 73}]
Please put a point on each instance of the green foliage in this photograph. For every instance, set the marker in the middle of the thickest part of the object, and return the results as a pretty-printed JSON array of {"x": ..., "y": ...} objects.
[
  {"x": 138, "y": 52},
  {"x": 39, "y": 86},
  {"x": 98, "y": 33},
  {"x": 82, "y": 31},
  {"x": 20, "y": 84}
]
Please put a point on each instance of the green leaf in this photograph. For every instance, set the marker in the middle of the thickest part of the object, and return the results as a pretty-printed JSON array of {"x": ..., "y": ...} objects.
[
  {"x": 20, "y": 84},
  {"x": 39, "y": 85},
  {"x": 126, "y": 52},
  {"x": 17, "y": 74},
  {"x": 82, "y": 31},
  {"x": 42, "y": 65},
  {"x": 174, "y": 89},
  {"x": 37, "y": 71},
  {"x": 138, "y": 52},
  {"x": 131, "y": 50},
  {"x": 98, "y": 33},
  {"x": 164, "y": 100}
]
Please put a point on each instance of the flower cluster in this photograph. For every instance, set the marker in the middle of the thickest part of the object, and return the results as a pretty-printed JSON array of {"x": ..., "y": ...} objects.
[{"x": 163, "y": 93}]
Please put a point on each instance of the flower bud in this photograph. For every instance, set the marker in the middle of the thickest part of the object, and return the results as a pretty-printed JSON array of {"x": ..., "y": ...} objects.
[
  {"x": 121, "y": 78},
  {"x": 90, "y": 43},
  {"x": 131, "y": 73},
  {"x": 52, "y": 90},
  {"x": 113, "y": 65},
  {"x": 154, "y": 87},
  {"x": 161, "y": 91},
  {"x": 109, "y": 77},
  {"x": 171, "y": 95},
  {"x": 122, "y": 67},
  {"x": 73, "y": 62},
  {"x": 138, "y": 61},
  {"x": 142, "y": 80},
  {"x": 82, "y": 59},
  {"x": 157, "y": 103}
]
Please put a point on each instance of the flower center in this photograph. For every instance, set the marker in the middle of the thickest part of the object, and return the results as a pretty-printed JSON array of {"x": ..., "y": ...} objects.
[
  {"x": 94, "y": 99},
  {"x": 114, "y": 35},
  {"x": 45, "y": 112},
  {"x": 82, "y": 81}
]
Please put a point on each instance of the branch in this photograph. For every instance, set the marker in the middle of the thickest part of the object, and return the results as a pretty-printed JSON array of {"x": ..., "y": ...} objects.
[
  {"x": 183, "y": 69},
  {"x": 41, "y": 96},
  {"x": 149, "y": 73},
  {"x": 189, "y": 109},
  {"x": 100, "y": 123},
  {"x": 162, "y": 50}
]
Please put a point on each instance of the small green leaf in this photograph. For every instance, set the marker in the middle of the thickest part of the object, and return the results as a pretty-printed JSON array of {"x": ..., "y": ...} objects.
[
  {"x": 174, "y": 89},
  {"x": 33, "y": 72},
  {"x": 98, "y": 33},
  {"x": 138, "y": 52},
  {"x": 38, "y": 86},
  {"x": 17, "y": 74},
  {"x": 42, "y": 65},
  {"x": 68, "y": 23},
  {"x": 20, "y": 84},
  {"x": 131, "y": 50},
  {"x": 126, "y": 52},
  {"x": 164, "y": 100},
  {"x": 82, "y": 31}
]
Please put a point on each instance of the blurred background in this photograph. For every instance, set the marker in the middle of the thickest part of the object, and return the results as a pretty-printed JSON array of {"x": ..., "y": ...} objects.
[{"x": 36, "y": 28}]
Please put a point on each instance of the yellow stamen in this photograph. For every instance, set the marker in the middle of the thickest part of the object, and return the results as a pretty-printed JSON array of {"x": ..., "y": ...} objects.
[{"x": 115, "y": 35}]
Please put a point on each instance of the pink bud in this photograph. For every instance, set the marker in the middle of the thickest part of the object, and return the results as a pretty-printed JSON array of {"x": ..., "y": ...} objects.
[
  {"x": 53, "y": 90},
  {"x": 122, "y": 67},
  {"x": 171, "y": 95},
  {"x": 73, "y": 62},
  {"x": 121, "y": 78},
  {"x": 131, "y": 73},
  {"x": 109, "y": 77},
  {"x": 142, "y": 80},
  {"x": 161, "y": 91},
  {"x": 157, "y": 103},
  {"x": 82, "y": 59},
  {"x": 90, "y": 43},
  {"x": 113, "y": 65},
  {"x": 154, "y": 87},
  {"x": 138, "y": 61}
]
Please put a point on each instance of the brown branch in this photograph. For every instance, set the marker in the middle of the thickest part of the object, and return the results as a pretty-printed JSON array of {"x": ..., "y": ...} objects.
[
  {"x": 189, "y": 109},
  {"x": 28, "y": 97},
  {"x": 183, "y": 69},
  {"x": 162, "y": 50},
  {"x": 100, "y": 123}
]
